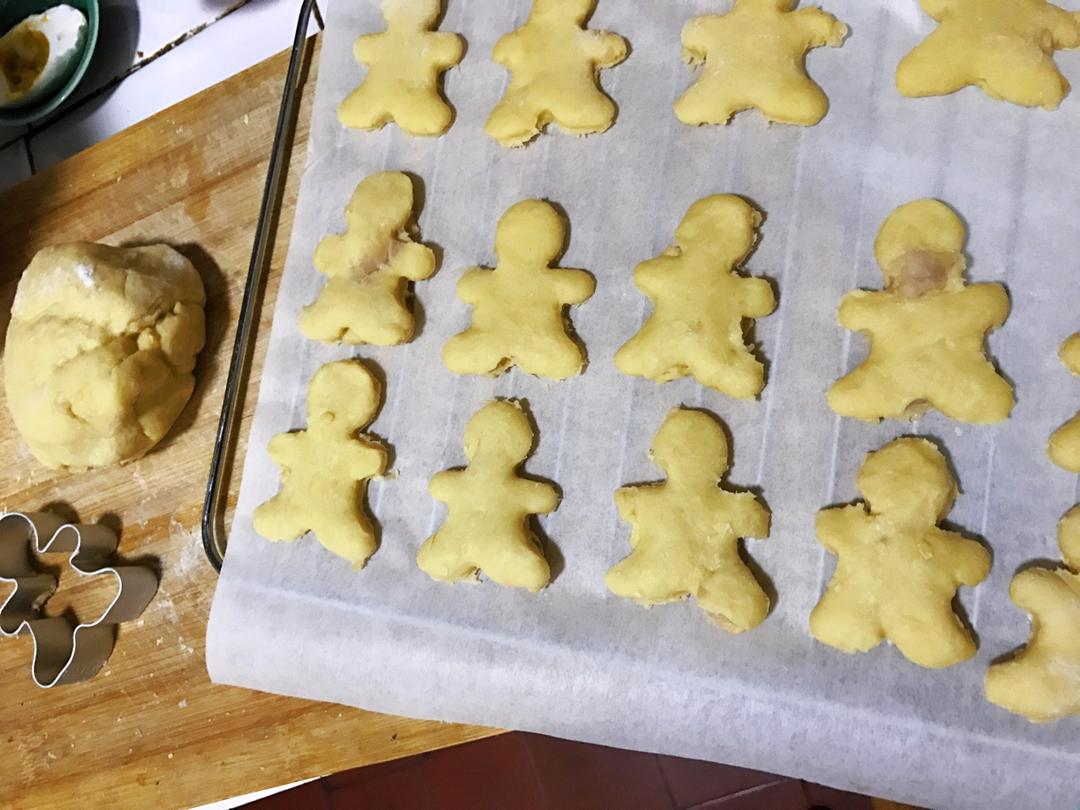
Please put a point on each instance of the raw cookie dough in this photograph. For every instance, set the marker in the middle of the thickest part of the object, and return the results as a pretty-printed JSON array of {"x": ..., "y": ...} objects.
[
  {"x": 405, "y": 63},
  {"x": 519, "y": 308},
  {"x": 325, "y": 469},
  {"x": 898, "y": 572},
  {"x": 1042, "y": 680},
  {"x": 100, "y": 351},
  {"x": 755, "y": 58},
  {"x": 554, "y": 64},
  {"x": 369, "y": 267},
  {"x": 927, "y": 328},
  {"x": 1064, "y": 446},
  {"x": 489, "y": 506},
  {"x": 700, "y": 303},
  {"x": 1004, "y": 47},
  {"x": 685, "y": 531}
]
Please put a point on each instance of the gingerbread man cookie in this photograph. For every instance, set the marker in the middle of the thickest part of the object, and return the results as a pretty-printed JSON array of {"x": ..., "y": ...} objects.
[
  {"x": 519, "y": 308},
  {"x": 755, "y": 58},
  {"x": 927, "y": 328},
  {"x": 554, "y": 62},
  {"x": 405, "y": 63},
  {"x": 1003, "y": 47},
  {"x": 897, "y": 571},
  {"x": 489, "y": 506},
  {"x": 325, "y": 468},
  {"x": 1064, "y": 446},
  {"x": 685, "y": 531},
  {"x": 369, "y": 267},
  {"x": 700, "y": 303},
  {"x": 1042, "y": 680}
]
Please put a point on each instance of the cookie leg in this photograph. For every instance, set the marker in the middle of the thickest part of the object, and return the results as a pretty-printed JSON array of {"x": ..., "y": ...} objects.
[
  {"x": 936, "y": 67},
  {"x": 514, "y": 120},
  {"x": 555, "y": 359},
  {"x": 739, "y": 375},
  {"x": 801, "y": 103},
  {"x": 842, "y": 621},
  {"x": 595, "y": 114},
  {"x": 645, "y": 355},
  {"x": 933, "y": 642},
  {"x": 423, "y": 113},
  {"x": 734, "y": 598},
  {"x": 441, "y": 557},
  {"x": 645, "y": 578},
  {"x": 473, "y": 352},
  {"x": 1039, "y": 85},
  {"x": 346, "y": 532},
  {"x": 363, "y": 109},
  {"x": 704, "y": 103},
  {"x": 978, "y": 394},
  {"x": 517, "y": 565},
  {"x": 869, "y": 392},
  {"x": 280, "y": 519}
]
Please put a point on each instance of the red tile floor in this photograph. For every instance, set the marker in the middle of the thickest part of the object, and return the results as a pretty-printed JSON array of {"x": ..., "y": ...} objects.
[{"x": 531, "y": 772}]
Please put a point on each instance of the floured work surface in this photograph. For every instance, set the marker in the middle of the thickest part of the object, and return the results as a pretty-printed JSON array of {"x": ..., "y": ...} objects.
[{"x": 575, "y": 660}]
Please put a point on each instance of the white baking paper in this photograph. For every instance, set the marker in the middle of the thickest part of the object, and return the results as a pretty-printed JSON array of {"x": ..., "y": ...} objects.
[{"x": 575, "y": 661}]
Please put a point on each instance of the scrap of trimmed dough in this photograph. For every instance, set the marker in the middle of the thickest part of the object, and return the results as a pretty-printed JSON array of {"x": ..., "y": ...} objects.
[
  {"x": 369, "y": 267},
  {"x": 927, "y": 328},
  {"x": 897, "y": 572},
  {"x": 554, "y": 64},
  {"x": 489, "y": 505},
  {"x": 1042, "y": 681},
  {"x": 1064, "y": 446},
  {"x": 1003, "y": 47},
  {"x": 404, "y": 65},
  {"x": 685, "y": 531},
  {"x": 700, "y": 303},
  {"x": 755, "y": 58},
  {"x": 325, "y": 468},
  {"x": 519, "y": 308},
  {"x": 100, "y": 351}
]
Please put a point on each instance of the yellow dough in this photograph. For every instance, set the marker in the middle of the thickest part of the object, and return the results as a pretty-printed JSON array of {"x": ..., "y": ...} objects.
[
  {"x": 685, "y": 531},
  {"x": 1004, "y": 47},
  {"x": 554, "y": 62},
  {"x": 1042, "y": 681},
  {"x": 404, "y": 65},
  {"x": 927, "y": 328},
  {"x": 755, "y": 58},
  {"x": 489, "y": 505},
  {"x": 700, "y": 303},
  {"x": 369, "y": 267},
  {"x": 898, "y": 572},
  {"x": 325, "y": 469},
  {"x": 100, "y": 351},
  {"x": 519, "y": 308},
  {"x": 1064, "y": 446}
]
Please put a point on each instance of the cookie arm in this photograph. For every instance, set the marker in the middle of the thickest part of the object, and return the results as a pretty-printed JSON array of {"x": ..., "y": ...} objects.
[
  {"x": 574, "y": 286},
  {"x": 968, "y": 559},
  {"x": 539, "y": 498},
  {"x": 447, "y": 48},
  {"x": 1064, "y": 26},
  {"x": 368, "y": 459},
  {"x": 286, "y": 448},
  {"x": 936, "y": 9},
  {"x": 626, "y": 503},
  {"x": 698, "y": 35},
  {"x": 509, "y": 50},
  {"x": 857, "y": 310},
  {"x": 821, "y": 27},
  {"x": 414, "y": 261},
  {"x": 649, "y": 275},
  {"x": 472, "y": 286},
  {"x": 366, "y": 48},
  {"x": 837, "y": 524},
  {"x": 443, "y": 485},
  {"x": 607, "y": 49},
  {"x": 991, "y": 301},
  {"x": 751, "y": 518},
  {"x": 757, "y": 297}
]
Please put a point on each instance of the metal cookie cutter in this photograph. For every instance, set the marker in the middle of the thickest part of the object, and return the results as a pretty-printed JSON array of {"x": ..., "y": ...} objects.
[{"x": 63, "y": 654}]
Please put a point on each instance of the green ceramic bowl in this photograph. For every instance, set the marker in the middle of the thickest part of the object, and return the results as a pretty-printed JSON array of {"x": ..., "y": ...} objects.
[{"x": 13, "y": 12}]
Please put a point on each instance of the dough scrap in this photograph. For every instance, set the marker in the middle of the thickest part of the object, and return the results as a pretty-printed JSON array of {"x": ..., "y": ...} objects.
[
  {"x": 100, "y": 351},
  {"x": 1064, "y": 446},
  {"x": 755, "y": 58},
  {"x": 1003, "y": 47},
  {"x": 325, "y": 468},
  {"x": 685, "y": 531},
  {"x": 897, "y": 572},
  {"x": 405, "y": 63},
  {"x": 927, "y": 328},
  {"x": 369, "y": 267},
  {"x": 489, "y": 505},
  {"x": 700, "y": 303},
  {"x": 1042, "y": 681},
  {"x": 554, "y": 64},
  {"x": 519, "y": 307}
]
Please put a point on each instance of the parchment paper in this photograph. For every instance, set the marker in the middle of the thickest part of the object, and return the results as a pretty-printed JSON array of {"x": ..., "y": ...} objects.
[{"x": 575, "y": 661}]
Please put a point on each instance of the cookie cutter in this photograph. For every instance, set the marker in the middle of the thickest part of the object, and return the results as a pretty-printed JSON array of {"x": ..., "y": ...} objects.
[{"x": 64, "y": 654}]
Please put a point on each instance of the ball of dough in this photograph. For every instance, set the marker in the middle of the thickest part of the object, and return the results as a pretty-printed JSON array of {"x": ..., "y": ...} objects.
[{"x": 100, "y": 351}]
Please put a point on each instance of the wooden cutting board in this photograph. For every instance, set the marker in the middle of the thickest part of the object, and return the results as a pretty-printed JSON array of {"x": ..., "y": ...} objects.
[{"x": 151, "y": 728}]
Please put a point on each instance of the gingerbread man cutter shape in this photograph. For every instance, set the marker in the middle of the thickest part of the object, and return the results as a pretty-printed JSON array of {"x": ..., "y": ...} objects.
[{"x": 64, "y": 654}]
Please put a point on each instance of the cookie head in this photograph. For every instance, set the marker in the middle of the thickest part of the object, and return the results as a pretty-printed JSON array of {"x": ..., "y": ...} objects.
[
  {"x": 422, "y": 12},
  {"x": 576, "y": 10},
  {"x": 530, "y": 233},
  {"x": 909, "y": 480},
  {"x": 722, "y": 227},
  {"x": 343, "y": 397},
  {"x": 919, "y": 248},
  {"x": 1069, "y": 538},
  {"x": 691, "y": 445},
  {"x": 499, "y": 434}
]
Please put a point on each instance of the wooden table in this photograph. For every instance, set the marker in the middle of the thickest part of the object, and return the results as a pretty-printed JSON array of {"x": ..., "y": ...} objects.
[{"x": 151, "y": 728}]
